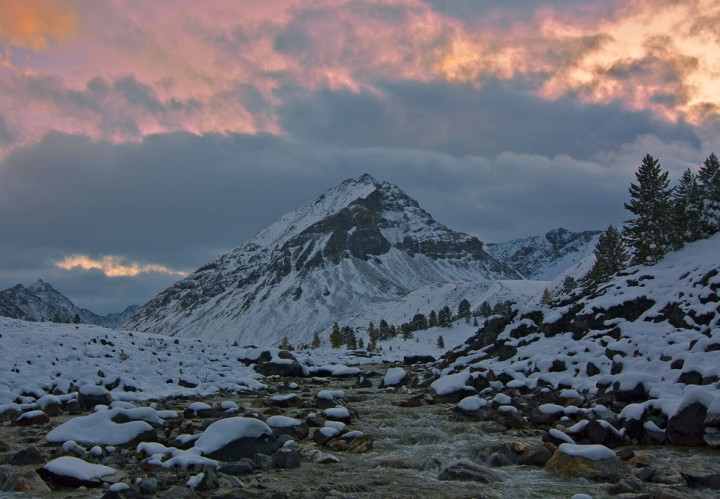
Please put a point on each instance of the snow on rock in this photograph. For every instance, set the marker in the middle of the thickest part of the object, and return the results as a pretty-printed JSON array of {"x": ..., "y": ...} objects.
[
  {"x": 99, "y": 428},
  {"x": 394, "y": 376},
  {"x": 282, "y": 422},
  {"x": 224, "y": 431},
  {"x": 592, "y": 452},
  {"x": 78, "y": 469},
  {"x": 452, "y": 383},
  {"x": 472, "y": 403}
]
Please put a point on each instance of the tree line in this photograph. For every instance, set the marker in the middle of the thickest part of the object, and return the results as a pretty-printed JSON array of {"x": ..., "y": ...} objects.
[{"x": 665, "y": 218}]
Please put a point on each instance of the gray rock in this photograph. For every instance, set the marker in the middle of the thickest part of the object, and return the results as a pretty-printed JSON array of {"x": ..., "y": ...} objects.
[
  {"x": 179, "y": 493},
  {"x": 29, "y": 455},
  {"x": 28, "y": 482},
  {"x": 536, "y": 456},
  {"x": 241, "y": 467},
  {"x": 149, "y": 486},
  {"x": 468, "y": 472},
  {"x": 286, "y": 458},
  {"x": 245, "y": 447},
  {"x": 627, "y": 485},
  {"x": 688, "y": 426}
]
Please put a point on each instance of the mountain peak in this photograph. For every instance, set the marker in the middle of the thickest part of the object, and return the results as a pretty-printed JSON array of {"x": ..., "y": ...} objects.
[
  {"x": 361, "y": 242},
  {"x": 40, "y": 285}
]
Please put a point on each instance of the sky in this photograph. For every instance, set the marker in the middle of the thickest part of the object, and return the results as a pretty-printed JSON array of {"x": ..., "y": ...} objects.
[{"x": 140, "y": 140}]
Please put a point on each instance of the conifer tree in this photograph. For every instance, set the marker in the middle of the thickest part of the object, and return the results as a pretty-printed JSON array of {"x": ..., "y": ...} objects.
[
  {"x": 445, "y": 317},
  {"x": 649, "y": 233},
  {"x": 316, "y": 342},
  {"x": 568, "y": 284},
  {"x": 285, "y": 344},
  {"x": 709, "y": 176},
  {"x": 384, "y": 330},
  {"x": 372, "y": 337},
  {"x": 546, "y": 297},
  {"x": 441, "y": 342},
  {"x": 432, "y": 319},
  {"x": 687, "y": 206},
  {"x": 464, "y": 309},
  {"x": 485, "y": 309},
  {"x": 611, "y": 256},
  {"x": 336, "y": 336}
]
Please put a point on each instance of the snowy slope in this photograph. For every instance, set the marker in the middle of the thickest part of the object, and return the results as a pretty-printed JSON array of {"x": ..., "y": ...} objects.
[
  {"x": 652, "y": 331},
  {"x": 359, "y": 245},
  {"x": 545, "y": 257},
  {"x": 41, "y": 302}
]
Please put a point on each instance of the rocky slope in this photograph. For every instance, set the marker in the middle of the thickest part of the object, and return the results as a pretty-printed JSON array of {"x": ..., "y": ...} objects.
[
  {"x": 361, "y": 243},
  {"x": 545, "y": 257},
  {"x": 42, "y": 302},
  {"x": 637, "y": 356}
]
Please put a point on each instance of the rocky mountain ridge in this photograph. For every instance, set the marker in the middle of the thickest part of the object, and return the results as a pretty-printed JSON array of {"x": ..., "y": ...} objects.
[
  {"x": 363, "y": 242},
  {"x": 42, "y": 302},
  {"x": 545, "y": 257}
]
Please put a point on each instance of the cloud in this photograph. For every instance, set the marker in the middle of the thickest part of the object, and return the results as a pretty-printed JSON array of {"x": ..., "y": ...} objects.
[
  {"x": 33, "y": 23},
  {"x": 467, "y": 120},
  {"x": 209, "y": 68},
  {"x": 114, "y": 266}
]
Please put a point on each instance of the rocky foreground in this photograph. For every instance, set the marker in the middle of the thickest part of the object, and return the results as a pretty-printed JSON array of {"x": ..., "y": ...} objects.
[{"x": 378, "y": 431}]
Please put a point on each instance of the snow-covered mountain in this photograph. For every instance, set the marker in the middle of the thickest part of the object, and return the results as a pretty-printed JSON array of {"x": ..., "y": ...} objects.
[
  {"x": 360, "y": 244},
  {"x": 41, "y": 302},
  {"x": 545, "y": 257}
]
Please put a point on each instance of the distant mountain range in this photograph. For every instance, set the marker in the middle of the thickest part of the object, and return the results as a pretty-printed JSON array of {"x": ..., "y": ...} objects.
[
  {"x": 41, "y": 302},
  {"x": 361, "y": 247},
  {"x": 545, "y": 257}
]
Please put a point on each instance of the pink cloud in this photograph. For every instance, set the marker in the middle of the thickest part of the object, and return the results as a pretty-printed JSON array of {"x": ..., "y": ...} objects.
[{"x": 134, "y": 68}]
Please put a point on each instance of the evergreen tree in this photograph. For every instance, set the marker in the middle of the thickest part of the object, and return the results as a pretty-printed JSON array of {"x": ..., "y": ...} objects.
[
  {"x": 372, "y": 337},
  {"x": 687, "y": 206},
  {"x": 285, "y": 344},
  {"x": 432, "y": 319},
  {"x": 76, "y": 319},
  {"x": 384, "y": 330},
  {"x": 610, "y": 256},
  {"x": 445, "y": 317},
  {"x": 315, "y": 342},
  {"x": 649, "y": 233},
  {"x": 475, "y": 322},
  {"x": 419, "y": 322},
  {"x": 546, "y": 297},
  {"x": 709, "y": 176},
  {"x": 464, "y": 309},
  {"x": 568, "y": 285},
  {"x": 336, "y": 336},
  {"x": 441, "y": 342},
  {"x": 406, "y": 331},
  {"x": 485, "y": 309},
  {"x": 350, "y": 338}
]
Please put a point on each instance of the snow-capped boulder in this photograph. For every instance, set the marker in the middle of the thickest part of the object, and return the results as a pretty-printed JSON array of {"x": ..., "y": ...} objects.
[{"x": 232, "y": 439}]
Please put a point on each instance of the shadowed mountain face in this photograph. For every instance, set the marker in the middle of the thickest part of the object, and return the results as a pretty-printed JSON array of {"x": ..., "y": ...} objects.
[
  {"x": 41, "y": 302},
  {"x": 360, "y": 243}
]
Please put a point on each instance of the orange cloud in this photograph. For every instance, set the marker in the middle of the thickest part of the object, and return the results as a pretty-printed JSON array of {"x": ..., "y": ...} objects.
[
  {"x": 30, "y": 23},
  {"x": 113, "y": 266}
]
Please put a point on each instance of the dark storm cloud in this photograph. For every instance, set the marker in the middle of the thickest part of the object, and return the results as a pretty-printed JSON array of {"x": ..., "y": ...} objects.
[
  {"x": 466, "y": 120},
  {"x": 180, "y": 200}
]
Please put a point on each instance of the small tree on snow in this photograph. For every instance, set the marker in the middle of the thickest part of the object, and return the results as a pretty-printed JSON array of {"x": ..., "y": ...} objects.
[
  {"x": 441, "y": 342},
  {"x": 335, "y": 336},
  {"x": 546, "y": 297},
  {"x": 709, "y": 177}
]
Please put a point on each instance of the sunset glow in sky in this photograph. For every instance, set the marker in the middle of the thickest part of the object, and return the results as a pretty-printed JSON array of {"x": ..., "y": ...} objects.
[{"x": 155, "y": 135}]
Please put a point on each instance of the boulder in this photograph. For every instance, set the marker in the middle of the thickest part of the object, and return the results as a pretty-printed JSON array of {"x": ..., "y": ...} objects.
[
  {"x": 27, "y": 482},
  {"x": 409, "y": 360},
  {"x": 535, "y": 456},
  {"x": 286, "y": 458},
  {"x": 687, "y": 427},
  {"x": 30, "y": 455},
  {"x": 285, "y": 364},
  {"x": 468, "y": 471},
  {"x": 602, "y": 470},
  {"x": 91, "y": 395}
]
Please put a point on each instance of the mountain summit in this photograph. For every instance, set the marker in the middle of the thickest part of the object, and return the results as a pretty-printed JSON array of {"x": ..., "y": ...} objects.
[{"x": 362, "y": 242}]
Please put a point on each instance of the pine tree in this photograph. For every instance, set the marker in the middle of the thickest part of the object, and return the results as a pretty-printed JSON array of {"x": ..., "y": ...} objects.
[
  {"x": 546, "y": 297},
  {"x": 372, "y": 337},
  {"x": 464, "y": 309},
  {"x": 568, "y": 285},
  {"x": 441, "y": 342},
  {"x": 445, "y": 317},
  {"x": 316, "y": 342},
  {"x": 419, "y": 322},
  {"x": 649, "y": 233},
  {"x": 336, "y": 336},
  {"x": 611, "y": 256},
  {"x": 406, "y": 331},
  {"x": 687, "y": 206},
  {"x": 485, "y": 309},
  {"x": 384, "y": 330},
  {"x": 432, "y": 319},
  {"x": 76, "y": 319},
  {"x": 709, "y": 176},
  {"x": 285, "y": 344}
]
